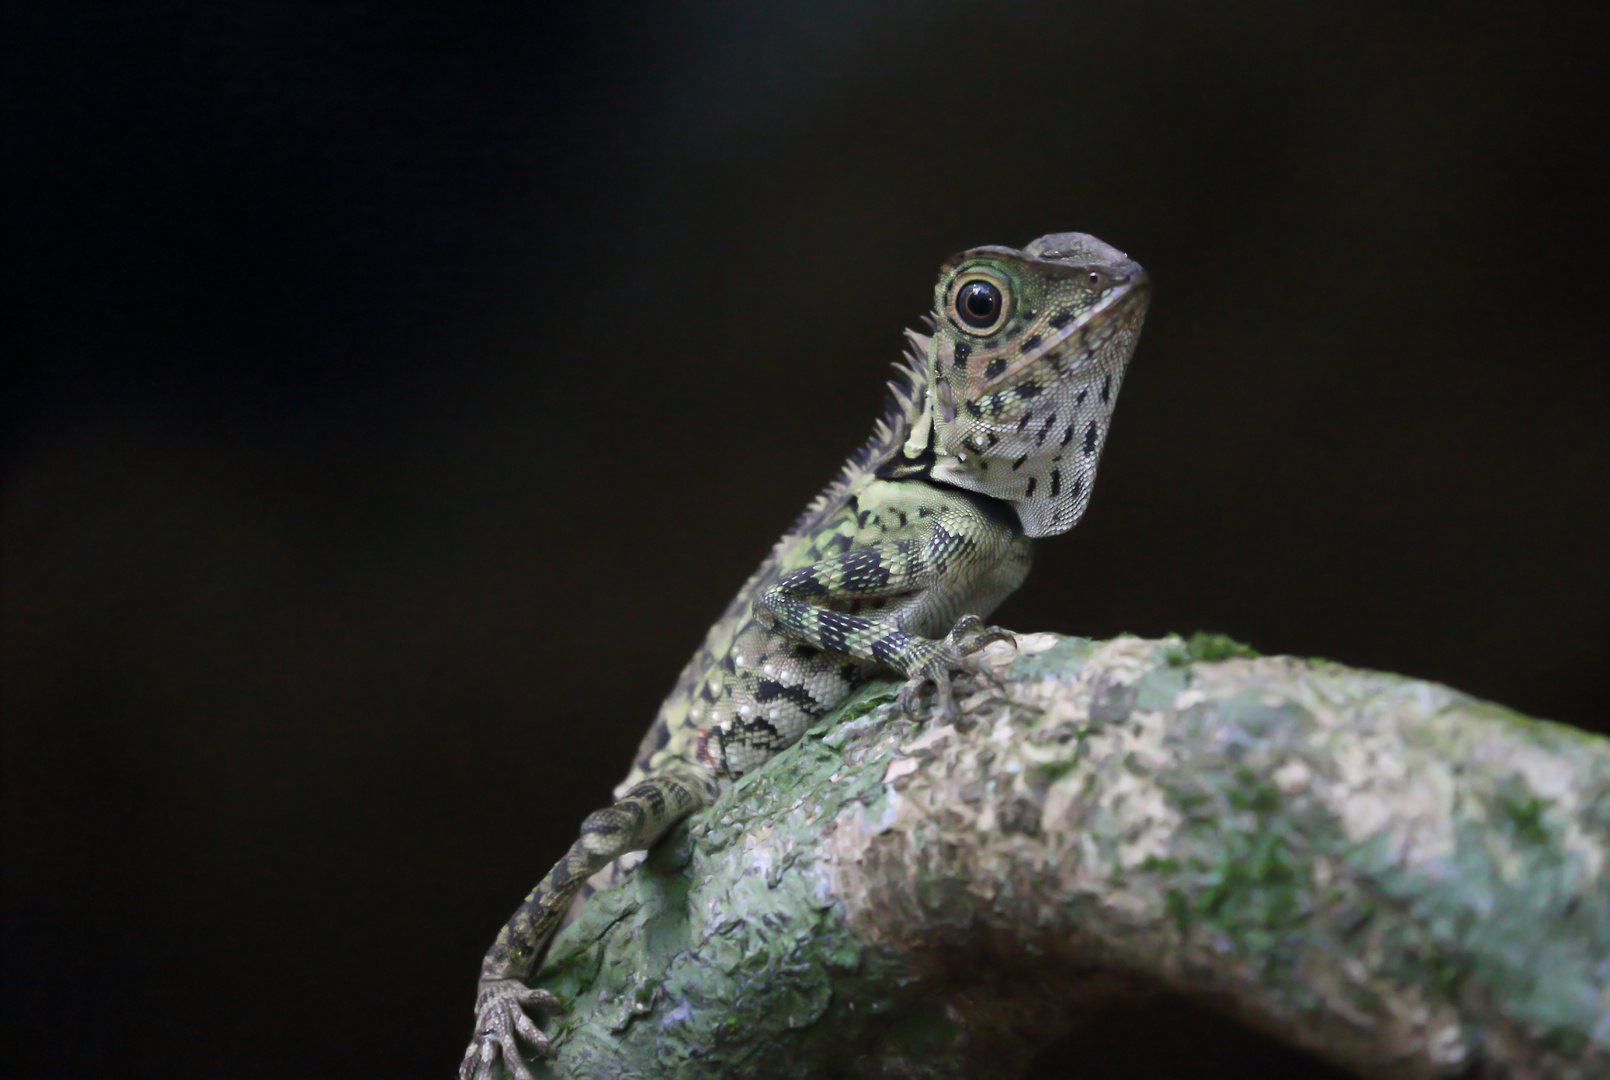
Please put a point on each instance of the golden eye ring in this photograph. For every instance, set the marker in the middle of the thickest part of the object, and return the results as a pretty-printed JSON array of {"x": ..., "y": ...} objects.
[{"x": 979, "y": 302}]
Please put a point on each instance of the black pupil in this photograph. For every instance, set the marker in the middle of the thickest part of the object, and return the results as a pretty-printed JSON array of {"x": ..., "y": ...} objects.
[{"x": 980, "y": 303}]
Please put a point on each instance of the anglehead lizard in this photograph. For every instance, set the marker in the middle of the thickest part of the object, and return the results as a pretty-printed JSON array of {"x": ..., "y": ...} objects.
[{"x": 995, "y": 424}]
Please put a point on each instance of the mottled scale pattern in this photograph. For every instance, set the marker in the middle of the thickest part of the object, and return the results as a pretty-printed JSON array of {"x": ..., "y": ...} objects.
[{"x": 996, "y": 421}]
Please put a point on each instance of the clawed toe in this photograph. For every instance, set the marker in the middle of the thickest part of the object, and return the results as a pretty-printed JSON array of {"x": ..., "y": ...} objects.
[
  {"x": 909, "y": 693},
  {"x": 940, "y": 678},
  {"x": 542, "y": 999},
  {"x": 970, "y": 635},
  {"x": 500, "y": 1016}
]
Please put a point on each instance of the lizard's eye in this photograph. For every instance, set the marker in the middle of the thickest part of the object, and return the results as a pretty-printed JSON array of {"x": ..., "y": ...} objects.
[{"x": 979, "y": 304}]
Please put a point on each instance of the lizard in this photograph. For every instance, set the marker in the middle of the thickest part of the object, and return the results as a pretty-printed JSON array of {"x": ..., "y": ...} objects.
[{"x": 995, "y": 422}]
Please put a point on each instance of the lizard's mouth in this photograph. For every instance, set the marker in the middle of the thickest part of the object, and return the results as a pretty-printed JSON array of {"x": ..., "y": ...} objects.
[{"x": 1125, "y": 303}]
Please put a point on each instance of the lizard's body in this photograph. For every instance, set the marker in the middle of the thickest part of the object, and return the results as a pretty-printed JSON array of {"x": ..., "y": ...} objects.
[{"x": 995, "y": 426}]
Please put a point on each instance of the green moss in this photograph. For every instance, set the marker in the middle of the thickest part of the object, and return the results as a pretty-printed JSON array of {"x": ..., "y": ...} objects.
[
  {"x": 868, "y": 699},
  {"x": 1240, "y": 881},
  {"x": 1203, "y": 647},
  {"x": 842, "y": 725},
  {"x": 1252, "y": 792},
  {"x": 1053, "y": 771},
  {"x": 1253, "y": 896},
  {"x": 1525, "y": 814},
  {"x": 1209, "y": 648}
]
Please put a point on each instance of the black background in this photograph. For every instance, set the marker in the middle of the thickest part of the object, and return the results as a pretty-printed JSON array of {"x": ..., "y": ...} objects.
[{"x": 404, "y": 387}]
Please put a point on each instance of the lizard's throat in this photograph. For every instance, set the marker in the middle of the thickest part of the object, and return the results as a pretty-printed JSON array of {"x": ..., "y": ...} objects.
[{"x": 1042, "y": 461}]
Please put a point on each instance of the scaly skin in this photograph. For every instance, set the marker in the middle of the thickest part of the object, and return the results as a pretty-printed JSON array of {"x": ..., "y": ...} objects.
[{"x": 995, "y": 426}]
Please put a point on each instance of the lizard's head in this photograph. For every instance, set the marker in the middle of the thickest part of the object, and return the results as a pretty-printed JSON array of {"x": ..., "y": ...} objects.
[{"x": 1028, "y": 351}]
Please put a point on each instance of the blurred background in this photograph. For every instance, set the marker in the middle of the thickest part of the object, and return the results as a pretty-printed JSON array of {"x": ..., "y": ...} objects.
[{"x": 398, "y": 390}]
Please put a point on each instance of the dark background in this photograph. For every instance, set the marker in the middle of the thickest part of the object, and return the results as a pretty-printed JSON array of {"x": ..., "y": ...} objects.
[{"x": 404, "y": 387}]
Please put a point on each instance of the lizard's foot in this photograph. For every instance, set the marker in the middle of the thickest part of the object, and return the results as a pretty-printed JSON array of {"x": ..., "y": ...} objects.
[
  {"x": 499, "y": 1015},
  {"x": 952, "y": 657}
]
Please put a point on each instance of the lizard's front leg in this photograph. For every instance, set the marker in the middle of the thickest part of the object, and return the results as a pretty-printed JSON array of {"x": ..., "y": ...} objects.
[
  {"x": 927, "y": 578},
  {"x": 631, "y": 823}
]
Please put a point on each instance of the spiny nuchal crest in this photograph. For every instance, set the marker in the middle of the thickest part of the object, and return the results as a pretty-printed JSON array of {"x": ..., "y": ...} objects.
[{"x": 1024, "y": 366}]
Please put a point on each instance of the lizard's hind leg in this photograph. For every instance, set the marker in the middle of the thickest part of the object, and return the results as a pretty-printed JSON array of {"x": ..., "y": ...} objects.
[{"x": 631, "y": 823}]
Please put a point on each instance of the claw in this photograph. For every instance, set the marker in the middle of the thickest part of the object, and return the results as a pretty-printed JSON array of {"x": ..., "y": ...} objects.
[
  {"x": 907, "y": 699},
  {"x": 970, "y": 634}
]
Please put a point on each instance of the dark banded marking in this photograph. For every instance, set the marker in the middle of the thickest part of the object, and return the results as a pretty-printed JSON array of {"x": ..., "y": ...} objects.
[
  {"x": 887, "y": 649},
  {"x": 803, "y": 583},
  {"x": 864, "y": 570},
  {"x": 771, "y": 690}
]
